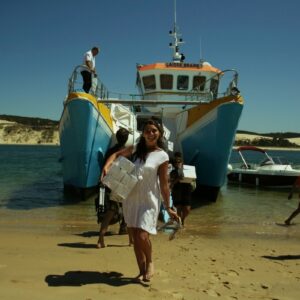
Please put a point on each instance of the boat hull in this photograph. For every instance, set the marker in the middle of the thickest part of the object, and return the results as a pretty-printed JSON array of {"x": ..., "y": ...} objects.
[
  {"x": 85, "y": 136},
  {"x": 207, "y": 145},
  {"x": 262, "y": 180},
  {"x": 206, "y": 142}
]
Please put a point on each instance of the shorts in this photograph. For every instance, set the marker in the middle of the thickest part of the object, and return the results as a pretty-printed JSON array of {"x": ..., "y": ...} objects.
[{"x": 182, "y": 194}]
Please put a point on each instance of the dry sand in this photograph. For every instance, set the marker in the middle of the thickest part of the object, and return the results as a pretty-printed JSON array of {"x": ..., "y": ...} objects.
[{"x": 66, "y": 265}]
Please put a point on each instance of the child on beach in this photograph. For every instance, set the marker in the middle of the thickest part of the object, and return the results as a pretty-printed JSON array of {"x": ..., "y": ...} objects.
[{"x": 297, "y": 210}]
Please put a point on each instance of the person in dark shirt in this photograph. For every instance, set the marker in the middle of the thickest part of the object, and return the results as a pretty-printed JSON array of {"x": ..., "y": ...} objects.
[
  {"x": 181, "y": 192},
  {"x": 113, "y": 206}
]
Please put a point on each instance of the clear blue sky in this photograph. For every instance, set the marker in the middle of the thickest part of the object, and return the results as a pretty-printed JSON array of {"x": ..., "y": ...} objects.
[{"x": 43, "y": 40}]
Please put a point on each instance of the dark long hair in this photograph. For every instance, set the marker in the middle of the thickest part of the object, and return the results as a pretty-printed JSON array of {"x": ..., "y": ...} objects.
[{"x": 141, "y": 148}]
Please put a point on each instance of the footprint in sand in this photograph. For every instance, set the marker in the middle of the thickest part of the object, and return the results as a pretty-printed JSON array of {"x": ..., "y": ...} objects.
[
  {"x": 212, "y": 293},
  {"x": 177, "y": 295},
  {"x": 233, "y": 273}
]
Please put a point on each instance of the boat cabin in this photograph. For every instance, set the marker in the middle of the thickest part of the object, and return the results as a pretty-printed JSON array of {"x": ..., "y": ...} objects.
[{"x": 177, "y": 80}]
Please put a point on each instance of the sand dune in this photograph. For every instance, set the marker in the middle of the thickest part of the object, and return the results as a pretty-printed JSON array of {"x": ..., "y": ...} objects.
[
  {"x": 14, "y": 133},
  {"x": 251, "y": 137}
]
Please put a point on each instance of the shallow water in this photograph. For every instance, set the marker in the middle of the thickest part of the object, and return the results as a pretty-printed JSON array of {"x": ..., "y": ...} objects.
[{"x": 32, "y": 199}]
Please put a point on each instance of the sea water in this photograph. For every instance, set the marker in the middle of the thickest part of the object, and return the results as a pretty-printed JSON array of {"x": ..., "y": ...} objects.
[
  {"x": 32, "y": 198},
  {"x": 31, "y": 191}
]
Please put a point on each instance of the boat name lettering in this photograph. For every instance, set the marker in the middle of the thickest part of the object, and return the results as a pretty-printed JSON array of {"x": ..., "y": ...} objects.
[{"x": 182, "y": 65}]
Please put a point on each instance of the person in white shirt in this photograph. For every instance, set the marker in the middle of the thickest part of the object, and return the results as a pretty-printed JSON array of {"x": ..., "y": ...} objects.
[{"x": 90, "y": 62}]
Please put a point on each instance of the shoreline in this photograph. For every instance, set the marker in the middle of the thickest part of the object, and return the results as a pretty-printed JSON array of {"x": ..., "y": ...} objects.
[
  {"x": 233, "y": 148},
  {"x": 272, "y": 148}
]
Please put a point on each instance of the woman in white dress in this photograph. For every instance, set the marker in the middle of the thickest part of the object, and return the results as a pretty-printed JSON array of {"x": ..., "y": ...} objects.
[{"x": 141, "y": 208}]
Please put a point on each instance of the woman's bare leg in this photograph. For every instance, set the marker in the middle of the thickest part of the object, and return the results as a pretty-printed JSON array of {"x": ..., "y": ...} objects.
[
  {"x": 130, "y": 236},
  {"x": 146, "y": 248},
  {"x": 140, "y": 257},
  {"x": 293, "y": 215}
]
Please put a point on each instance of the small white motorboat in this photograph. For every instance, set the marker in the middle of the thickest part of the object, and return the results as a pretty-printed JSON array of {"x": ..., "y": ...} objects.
[{"x": 270, "y": 172}]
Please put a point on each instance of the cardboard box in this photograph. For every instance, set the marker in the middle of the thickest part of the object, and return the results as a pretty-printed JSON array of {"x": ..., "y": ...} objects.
[
  {"x": 120, "y": 178},
  {"x": 189, "y": 174}
]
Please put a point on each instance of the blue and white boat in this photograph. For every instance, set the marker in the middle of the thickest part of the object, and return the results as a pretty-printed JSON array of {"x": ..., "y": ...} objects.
[{"x": 198, "y": 104}]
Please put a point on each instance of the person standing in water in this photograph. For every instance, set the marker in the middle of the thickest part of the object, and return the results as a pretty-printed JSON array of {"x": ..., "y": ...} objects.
[{"x": 297, "y": 210}]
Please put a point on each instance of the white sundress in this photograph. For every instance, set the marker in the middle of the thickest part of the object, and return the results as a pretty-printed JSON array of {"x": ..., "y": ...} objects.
[{"x": 141, "y": 208}]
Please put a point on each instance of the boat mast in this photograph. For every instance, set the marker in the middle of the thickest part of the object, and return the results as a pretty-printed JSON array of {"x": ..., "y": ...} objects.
[{"x": 177, "y": 56}]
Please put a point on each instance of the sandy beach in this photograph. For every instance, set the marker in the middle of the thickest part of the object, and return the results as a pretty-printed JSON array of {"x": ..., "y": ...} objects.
[
  {"x": 38, "y": 264},
  {"x": 48, "y": 251}
]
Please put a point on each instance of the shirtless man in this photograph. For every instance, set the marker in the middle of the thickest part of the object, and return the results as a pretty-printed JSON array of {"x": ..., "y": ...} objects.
[{"x": 297, "y": 210}]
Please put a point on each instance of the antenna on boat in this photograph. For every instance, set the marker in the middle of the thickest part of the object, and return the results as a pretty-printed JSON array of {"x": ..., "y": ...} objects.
[
  {"x": 177, "y": 56},
  {"x": 201, "y": 51}
]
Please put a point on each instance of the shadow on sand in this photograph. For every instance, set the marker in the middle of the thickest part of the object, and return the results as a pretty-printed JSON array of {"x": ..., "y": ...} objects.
[
  {"x": 88, "y": 234},
  {"x": 282, "y": 257},
  {"x": 82, "y": 245},
  {"x": 79, "y": 278}
]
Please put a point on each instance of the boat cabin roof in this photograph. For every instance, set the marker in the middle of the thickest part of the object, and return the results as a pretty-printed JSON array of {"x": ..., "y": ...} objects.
[
  {"x": 178, "y": 77},
  {"x": 205, "y": 67}
]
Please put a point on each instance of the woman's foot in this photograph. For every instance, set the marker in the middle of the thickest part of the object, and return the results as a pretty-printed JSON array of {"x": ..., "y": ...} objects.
[
  {"x": 287, "y": 222},
  {"x": 149, "y": 272},
  {"x": 100, "y": 243}
]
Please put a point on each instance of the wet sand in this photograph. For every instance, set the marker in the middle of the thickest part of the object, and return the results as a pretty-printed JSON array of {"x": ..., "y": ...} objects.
[{"x": 65, "y": 264}]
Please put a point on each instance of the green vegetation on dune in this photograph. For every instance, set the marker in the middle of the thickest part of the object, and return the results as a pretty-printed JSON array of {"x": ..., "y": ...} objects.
[
  {"x": 274, "y": 139},
  {"x": 47, "y": 128},
  {"x": 30, "y": 121},
  {"x": 284, "y": 135}
]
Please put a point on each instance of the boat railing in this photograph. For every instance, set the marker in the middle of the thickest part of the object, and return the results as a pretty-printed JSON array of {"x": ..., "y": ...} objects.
[
  {"x": 98, "y": 89},
  {"x": 194, "y": 97},
  {"x": 216, "y": 82}
]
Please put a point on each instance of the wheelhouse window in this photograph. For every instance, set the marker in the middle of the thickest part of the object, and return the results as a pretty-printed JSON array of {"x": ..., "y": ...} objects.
[
  {"x": 182, "y": 82},
  {"x": 199, "y": 83},
  {"x": 214, "y": 87},
  {"x": 166, "y": 82},
  {"x": 149, "y": 82}
]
